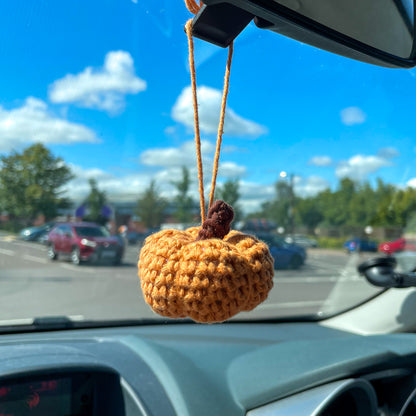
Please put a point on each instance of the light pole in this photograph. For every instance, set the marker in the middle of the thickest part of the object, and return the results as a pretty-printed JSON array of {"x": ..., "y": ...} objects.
[{"x": 291, "y": 210}]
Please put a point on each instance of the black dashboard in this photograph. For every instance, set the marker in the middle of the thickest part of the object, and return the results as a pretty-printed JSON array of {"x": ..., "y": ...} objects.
[{"x": 225, "y": 369}]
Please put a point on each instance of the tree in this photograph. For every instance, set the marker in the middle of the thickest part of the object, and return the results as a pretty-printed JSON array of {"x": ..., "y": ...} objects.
[
  {"x": 31, "y": 183},
  {"x": 184, "y": 203},
  {"x": 151, "y": 207},
  {"x": 96, "y": 200},
  {"x": 309, "y": 212},
  {"x": 336, "y": 205},
  {"x": 279, "y": 209},
  {"x": 229, "y": 192}
]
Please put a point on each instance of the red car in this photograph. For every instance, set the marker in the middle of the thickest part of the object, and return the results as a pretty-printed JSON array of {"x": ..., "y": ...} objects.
[
  {"x": 84, "y": 241},
  {"x": 401, "y": 244}
]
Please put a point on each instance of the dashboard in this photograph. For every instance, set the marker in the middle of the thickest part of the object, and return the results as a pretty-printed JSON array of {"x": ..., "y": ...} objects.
[{"x": 224, "y": 369}]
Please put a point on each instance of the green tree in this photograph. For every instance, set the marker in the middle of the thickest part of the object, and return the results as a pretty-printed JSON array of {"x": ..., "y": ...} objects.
[
  {"x": 96, "y": 200},
  {"x": 309, "y": 213},
  {"x": 230, "y": 193},
  {"x": 151, "y": 207},
  {"x": 335, "y": 205},
  {"x": 403, "y": 206},
  {"x": 384, "y": 200},
  {"x": 184, "y": 203},
  {"x": 31, "y": 183},
  {"x": 278, "y": 209},
  {"x": 362, "y": 207}
]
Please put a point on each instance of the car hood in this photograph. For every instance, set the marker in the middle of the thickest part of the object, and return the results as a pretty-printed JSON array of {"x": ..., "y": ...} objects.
[
  {"x": 103, "y": 240},
  {"x": 29, "y": 230}
]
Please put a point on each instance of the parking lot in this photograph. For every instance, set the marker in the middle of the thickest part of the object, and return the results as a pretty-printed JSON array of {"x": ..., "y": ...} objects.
[{"x": 31, "y": 285}]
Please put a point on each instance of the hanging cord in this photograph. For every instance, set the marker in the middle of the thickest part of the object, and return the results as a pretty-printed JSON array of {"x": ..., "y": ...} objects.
[
  {"x": 194, "y": 7},
  {"x": 188, "y": 28},
  {"x": 221, "y": 123}
]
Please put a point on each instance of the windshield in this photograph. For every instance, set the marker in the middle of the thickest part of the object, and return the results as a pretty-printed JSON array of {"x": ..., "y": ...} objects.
[
  {"x": 91, "y": 232},
  {"x": 96, "y": 125}
]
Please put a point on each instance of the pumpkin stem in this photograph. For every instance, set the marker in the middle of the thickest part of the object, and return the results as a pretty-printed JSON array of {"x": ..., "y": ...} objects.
[{"x": 218, "y": 222}]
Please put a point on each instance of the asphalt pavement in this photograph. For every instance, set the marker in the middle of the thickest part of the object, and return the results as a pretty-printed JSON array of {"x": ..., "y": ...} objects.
[{"x": 31, "y": 285}]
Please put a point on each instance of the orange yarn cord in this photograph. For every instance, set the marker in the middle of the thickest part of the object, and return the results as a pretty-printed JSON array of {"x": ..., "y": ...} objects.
[
  {"x": 221, "y": 123},
  {"x": 188, "y": 29},
  {"x": 194, "y": 7}
]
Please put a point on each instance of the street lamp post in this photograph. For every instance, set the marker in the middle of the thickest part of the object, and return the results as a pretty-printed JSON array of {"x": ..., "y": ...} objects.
[{"x": 291, "y": 210}]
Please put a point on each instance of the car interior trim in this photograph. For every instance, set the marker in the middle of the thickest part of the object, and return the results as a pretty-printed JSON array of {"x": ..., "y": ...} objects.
[
  {"x": 365, "y": 319},
  {"x": 313, "y": 402},
  {"x": 128, "y": 391}
]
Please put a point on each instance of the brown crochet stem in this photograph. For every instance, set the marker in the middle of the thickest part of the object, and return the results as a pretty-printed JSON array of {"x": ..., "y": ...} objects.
[{"x": 218, "y": 222}]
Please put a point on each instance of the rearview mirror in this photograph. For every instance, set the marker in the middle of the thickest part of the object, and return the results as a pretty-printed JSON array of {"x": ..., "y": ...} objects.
[{"x": 380, "y": 32}]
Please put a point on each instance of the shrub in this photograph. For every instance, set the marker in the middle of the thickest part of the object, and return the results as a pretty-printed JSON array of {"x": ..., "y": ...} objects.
[{"x": 331, "y": 242}]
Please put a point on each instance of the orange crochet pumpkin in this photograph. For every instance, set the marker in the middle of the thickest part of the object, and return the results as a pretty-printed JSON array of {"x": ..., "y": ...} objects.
[{"x": 206, "y": 273}]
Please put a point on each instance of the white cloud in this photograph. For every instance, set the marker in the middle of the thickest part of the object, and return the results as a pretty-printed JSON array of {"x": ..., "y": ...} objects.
[
  {"x": 320, "y": 161},
  {"x": 173, "y": 158},
  {"x": 231, "y": 149},
  {"x": 411, "y": 183},
  {"x": 170, "y": 130},
  {"x": 310, "y": 186},
  {"x": 103, "y": 88},
  {"x": 130, "y": 186},
  {"x": 254, "y": 194},
  {"x": 127, "y": 187},
  {"x": 169, "y": 160},
  {"x": 209, "y": 104},
  {"x": 231, "y": 170},
  {"x": 388, "y": 153},
  {"x": 33, "y": 122},
  {"x": 185, "y": 155},
  {"x": 352, "y": 115},
  {"x": 253, "y": 190},
  {"x": 91, "y": 173},
  {"x": 359, "y": 167}
]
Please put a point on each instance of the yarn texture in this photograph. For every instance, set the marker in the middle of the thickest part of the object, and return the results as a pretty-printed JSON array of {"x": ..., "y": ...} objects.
[{"x": 207, "y": 273}]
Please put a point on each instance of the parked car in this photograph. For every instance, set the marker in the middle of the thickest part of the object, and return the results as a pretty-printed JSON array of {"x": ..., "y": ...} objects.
[
  {"x": 360, "y": 244},
  {"x": 301, "y": 240},
  {"x": 401, "y": 244},
  {"x": 84, "y": 241},
  {"x": 35, "y": 233},
  {"x": 256, "y": 225},
  {"x": 286, "y": 256},
  {"x": 44, "y": 239},
  {"x": 134, "y": 238}
]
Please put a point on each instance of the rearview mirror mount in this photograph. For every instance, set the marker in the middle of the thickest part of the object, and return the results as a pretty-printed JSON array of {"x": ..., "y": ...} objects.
[{"x": 381, "y": 33}]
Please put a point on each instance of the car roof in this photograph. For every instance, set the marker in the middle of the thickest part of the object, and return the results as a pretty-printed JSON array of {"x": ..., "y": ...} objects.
[{"x": 80, "y": 224}]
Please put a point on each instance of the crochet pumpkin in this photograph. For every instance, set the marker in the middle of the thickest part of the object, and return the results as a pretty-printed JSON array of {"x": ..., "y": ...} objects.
[{"x": 206, "y": 273}]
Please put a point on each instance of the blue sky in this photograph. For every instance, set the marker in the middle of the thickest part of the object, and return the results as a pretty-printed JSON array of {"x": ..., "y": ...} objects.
[{"x": 105, "y": 85}]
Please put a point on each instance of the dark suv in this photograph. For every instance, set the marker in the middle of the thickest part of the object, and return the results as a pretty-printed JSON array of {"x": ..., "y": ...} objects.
[{"x": 82, "y": 241}]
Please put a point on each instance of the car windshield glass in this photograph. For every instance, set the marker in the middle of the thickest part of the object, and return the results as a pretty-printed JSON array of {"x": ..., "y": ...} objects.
[
  {"x": 91, "y": 232},
  {"x": 97, "y": 127},
  {"x": 272, "y": 240}
]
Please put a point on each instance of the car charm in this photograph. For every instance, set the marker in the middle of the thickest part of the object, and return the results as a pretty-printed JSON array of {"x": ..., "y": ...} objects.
[{"x": 206, "y": 273}]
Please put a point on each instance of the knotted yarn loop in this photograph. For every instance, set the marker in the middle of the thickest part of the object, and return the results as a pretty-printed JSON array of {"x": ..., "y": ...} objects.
[
  {"x": 193, "y": 6},
  {"x": 218, "y": 222}
]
